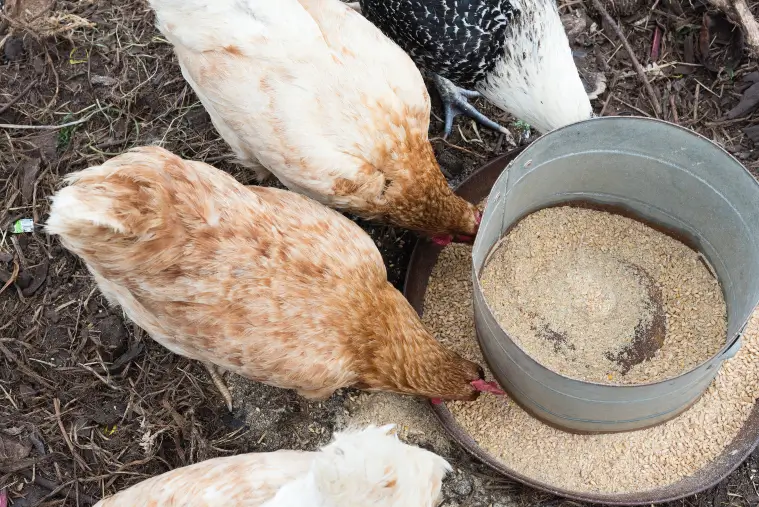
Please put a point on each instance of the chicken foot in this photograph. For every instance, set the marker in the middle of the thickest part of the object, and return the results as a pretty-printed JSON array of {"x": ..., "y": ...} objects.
[
  {"x": 356, "y": 6},
  {"x": 219, "y": 383},
  {"x": 455, "y": 102}
]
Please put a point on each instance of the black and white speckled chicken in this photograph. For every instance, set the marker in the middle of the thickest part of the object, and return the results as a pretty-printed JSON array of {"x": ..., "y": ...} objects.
[{"x": 515, "y": 53}]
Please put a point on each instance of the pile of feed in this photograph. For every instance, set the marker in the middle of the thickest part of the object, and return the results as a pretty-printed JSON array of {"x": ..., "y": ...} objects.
[
  {"x": 612, "y": 463},
  {"x": 604, "y": 298}
]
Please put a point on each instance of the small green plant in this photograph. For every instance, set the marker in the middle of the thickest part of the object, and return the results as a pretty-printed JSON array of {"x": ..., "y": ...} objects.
[
  {"x": 65, "y": 134},
  {"x": 522, "y": 126}
]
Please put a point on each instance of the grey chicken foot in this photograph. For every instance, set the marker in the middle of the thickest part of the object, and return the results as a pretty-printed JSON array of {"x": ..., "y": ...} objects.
[
  {"x": 455, "y": 102},
  {"x": 356, "y": 6},
  {"x": 219, "y": 383}
]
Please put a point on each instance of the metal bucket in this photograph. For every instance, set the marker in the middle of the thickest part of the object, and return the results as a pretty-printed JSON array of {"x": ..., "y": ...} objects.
[{"x": 661, "y": 174}]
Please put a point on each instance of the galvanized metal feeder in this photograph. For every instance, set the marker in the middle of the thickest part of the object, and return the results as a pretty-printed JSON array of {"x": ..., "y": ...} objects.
[
  {"x": 662, "y": 174},
  {"x": 659, "y": 173}
]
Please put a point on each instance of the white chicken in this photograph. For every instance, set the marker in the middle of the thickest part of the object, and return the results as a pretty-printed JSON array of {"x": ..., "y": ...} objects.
[
  {"x": 515, "y": 53},
  {"x": 366, "y": 468},
  {"x": 314, "y": 93},
  {"x": 263, "y": 282}
]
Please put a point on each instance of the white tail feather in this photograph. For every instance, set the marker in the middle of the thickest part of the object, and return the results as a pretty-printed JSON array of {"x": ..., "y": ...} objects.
[{"x": 370, "y": 468}]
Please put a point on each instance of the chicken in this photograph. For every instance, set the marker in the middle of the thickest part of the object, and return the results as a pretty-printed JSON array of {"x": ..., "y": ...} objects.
[
  {"x": 310, "y": 91},
  {"x": 368, "y": 468},
  {"x": 262, "y": 282},
  {"x": 515, "y": 53}
]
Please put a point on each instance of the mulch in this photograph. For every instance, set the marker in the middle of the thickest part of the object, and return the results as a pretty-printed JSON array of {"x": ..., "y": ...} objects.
[{"x": 88, "y": 403}]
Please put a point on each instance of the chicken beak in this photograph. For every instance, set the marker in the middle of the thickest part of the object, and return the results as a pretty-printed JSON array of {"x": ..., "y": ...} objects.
[
  {"x": 484, "y": 386},
  {"x": 442, "y": 240}
]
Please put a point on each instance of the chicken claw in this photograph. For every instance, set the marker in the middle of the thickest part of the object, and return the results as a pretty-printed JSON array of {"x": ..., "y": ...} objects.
[
  {"x": 455, "y": 102},
  {"x": 220, "y": 385},
  {"x": 356, "y": 6}
]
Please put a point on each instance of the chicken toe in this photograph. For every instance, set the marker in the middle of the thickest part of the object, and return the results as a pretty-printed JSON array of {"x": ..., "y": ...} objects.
[
  {"x": 356, "y": 6},
  {"x": 219, "y": 383},
  {"x": 455, "y": 102}
]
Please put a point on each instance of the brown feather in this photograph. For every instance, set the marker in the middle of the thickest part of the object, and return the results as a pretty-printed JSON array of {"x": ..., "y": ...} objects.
[{"x": 263, "y": 282}]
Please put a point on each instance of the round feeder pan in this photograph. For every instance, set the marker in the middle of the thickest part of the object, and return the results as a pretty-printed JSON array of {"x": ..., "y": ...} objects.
[
  {"x": 423, "y": 260},
  {"x": 658, "y": 173}
]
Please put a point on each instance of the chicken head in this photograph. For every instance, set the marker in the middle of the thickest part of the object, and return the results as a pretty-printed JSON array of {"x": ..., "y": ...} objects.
[{"x": 397, "y": 353}]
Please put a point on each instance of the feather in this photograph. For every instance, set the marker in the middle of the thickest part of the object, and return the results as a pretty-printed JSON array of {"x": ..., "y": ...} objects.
[
  {"x": 263, "y": 282},
  {"x": 368, "y": 467},
  {"x": 291, "y": 87},
  {"x": 514, "y": 52}
]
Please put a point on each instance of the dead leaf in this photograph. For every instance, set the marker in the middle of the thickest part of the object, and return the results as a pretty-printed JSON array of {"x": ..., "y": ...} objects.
[
  {"x": 103, "y": 80},
  {"x": 574, "y": 25},
  {"x": 752, "y": 133},
  {"x": 690, "y": 53},
  {"x": 46, "y": 145},
  {"x": 11, "y": 450},
  {"x": 29, "y": 170},
  {"x": 656, "y": 44},
  {"x": 749, "y": 102},
  {"x": 38, "y": 278},
  {"x": 720, "y": 43}
]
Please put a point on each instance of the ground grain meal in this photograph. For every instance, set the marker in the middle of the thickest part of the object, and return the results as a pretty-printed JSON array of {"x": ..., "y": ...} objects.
[
  {"x": 603, "y": 298},
  {"x": 615, "y": 463}
]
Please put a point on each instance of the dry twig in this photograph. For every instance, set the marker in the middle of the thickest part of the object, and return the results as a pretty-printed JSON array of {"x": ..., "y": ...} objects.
[
  {"x": 18, "y": 97},
  {"x": 636, "y": 64},
  {"x": 57, "y": 407}
]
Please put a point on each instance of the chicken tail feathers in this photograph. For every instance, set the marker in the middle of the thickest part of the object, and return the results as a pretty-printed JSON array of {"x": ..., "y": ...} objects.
[
  {"x": 136, "y": 209},
  {"x": 373, "y": 467},
  {"x": 118, "y": 196}
]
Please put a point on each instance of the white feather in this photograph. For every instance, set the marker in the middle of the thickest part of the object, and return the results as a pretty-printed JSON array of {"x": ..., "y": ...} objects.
[
  {"x": 368, "y": 468},
  {"x": 306, "y": 89},
  {"x": 536, "y": 80}
]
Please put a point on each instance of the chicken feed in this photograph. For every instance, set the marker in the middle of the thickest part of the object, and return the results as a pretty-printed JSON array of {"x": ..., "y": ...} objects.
[
  {"x": 603, "y": 298},
  {"x": 611, "y": 463}
]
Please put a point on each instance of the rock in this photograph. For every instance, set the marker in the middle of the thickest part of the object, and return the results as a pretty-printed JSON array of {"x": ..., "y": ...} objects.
[
  {"x": 113, "y": 335},
  {"x": 14, "y": 49},
  {"x": 103, "y": 81},
  {"x": 461, "y": 485}
]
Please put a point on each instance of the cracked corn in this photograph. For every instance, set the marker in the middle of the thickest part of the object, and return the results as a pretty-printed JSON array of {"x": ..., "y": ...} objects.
[
  {"x": 617, "y": 463},
  {"x": 604, "y": 298}
]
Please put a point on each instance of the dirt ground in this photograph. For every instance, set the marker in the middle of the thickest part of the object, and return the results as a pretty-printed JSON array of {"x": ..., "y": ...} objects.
[{"x": 88, "y": 403}]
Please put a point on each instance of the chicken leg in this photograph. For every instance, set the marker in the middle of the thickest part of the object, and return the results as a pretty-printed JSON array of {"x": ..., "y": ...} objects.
[
  {"x": 455, "y": 102},
  {"x": 219, "y": 383}
]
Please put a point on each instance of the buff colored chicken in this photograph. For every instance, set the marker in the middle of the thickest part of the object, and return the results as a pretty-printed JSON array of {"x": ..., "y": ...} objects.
[
  {"x": 314, "y": 93},
  {"x": 262, "y": 282},
  {"x": 368, "y": 468}
]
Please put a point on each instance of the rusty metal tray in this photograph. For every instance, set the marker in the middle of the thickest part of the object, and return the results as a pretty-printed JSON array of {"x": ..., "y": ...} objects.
[{"x": 423, "y": 259}]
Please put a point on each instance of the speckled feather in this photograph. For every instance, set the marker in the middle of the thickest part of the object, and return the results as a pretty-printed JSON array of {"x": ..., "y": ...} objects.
[
  {"x": 368, "y": 467},
  {"x": 458, "y": 39},
  {"x": 312, "y": 92},
  {"x": 263, "y": 282},
  {"x": 514, "y": 52}
]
